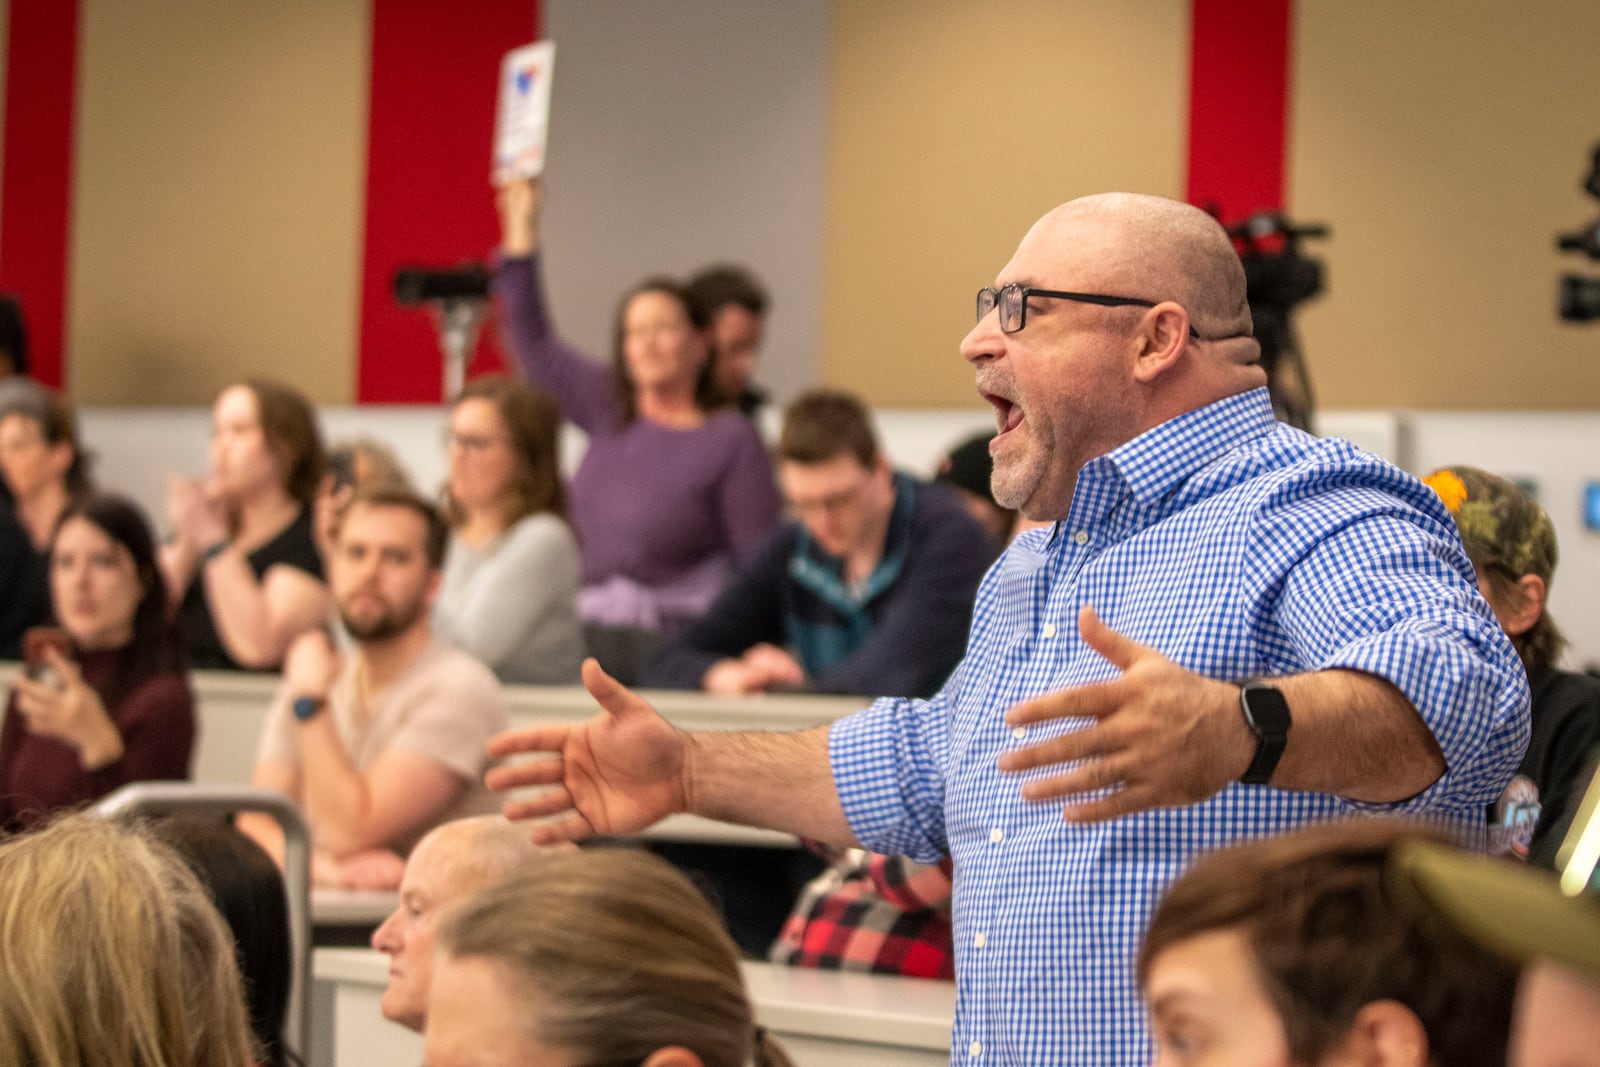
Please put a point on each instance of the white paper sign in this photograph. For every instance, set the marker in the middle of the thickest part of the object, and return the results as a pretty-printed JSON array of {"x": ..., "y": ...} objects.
[{"x": 523, "y": 117}]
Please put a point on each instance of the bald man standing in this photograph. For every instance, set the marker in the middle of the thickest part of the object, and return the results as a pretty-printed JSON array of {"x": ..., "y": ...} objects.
[
  {"x": 448, "y": 865},
  {"x": 1229, "y": 628}
]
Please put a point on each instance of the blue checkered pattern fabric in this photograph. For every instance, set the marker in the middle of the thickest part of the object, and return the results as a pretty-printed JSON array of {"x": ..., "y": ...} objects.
[{"x": 1239, "y": 548}]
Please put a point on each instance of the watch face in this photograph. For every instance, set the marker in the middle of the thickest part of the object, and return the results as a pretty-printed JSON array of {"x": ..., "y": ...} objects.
[{"x": 1266, "y": 710}]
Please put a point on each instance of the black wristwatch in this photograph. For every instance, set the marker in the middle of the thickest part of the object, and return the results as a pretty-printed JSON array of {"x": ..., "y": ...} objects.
[
  {"x": 306, "y": 708},
  {"x": 1267, "y": 715}
]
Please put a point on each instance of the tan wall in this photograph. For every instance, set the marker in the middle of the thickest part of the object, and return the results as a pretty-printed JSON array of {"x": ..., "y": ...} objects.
[
  {"x": 954, "y": 126},
  {"x": 1444, "y": 141},
  {"x": 218, "y": 205}
]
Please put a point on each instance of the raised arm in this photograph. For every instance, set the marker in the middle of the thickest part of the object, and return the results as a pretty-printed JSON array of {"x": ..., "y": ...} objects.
[
  {"x": 627, "y": 768},
  {"x": 581, "y": 385}
]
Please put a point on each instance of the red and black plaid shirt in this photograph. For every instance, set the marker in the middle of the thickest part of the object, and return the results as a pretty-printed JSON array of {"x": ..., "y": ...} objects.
[{"x": 866, "y": 912}]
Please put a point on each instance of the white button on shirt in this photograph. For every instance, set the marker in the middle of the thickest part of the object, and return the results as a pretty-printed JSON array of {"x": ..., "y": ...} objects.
[
  {"x": 975, "y": 1049},
  {"x": 980, "y": 940},
  {"x": 1049, "y": 629},
  {"x": 1082, "y": 537},
  {"x": 997, "y": 836},
  {"x": 1019, "y": 732}
]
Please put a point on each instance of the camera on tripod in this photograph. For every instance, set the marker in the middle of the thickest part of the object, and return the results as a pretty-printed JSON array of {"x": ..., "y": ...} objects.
[{"x": 1578, "y": 296}]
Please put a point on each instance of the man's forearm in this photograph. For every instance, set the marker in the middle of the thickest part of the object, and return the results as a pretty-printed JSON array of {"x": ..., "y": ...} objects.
[
  {"x": 1357, "y": 736},
  {"x": 336, "y": 793},
  {"x": 780, "y": 781}
]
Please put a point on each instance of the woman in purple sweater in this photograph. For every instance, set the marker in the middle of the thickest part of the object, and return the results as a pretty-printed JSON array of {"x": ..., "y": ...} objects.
[
  {"x": 118, "y": 708},
  {"x": 675, "y": 487}
]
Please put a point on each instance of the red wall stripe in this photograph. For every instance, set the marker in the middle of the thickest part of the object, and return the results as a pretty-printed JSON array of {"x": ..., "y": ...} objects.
[
  {"x": 36, "y": 194},
  {"x": 1238, "y": 105},
  {"x": 435, "y": 68}
]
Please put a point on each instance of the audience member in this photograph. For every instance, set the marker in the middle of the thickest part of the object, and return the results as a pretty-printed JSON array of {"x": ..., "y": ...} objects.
[
  {"x": 247, "y": 890},
  {"x": 1291, "y": 950},
  {"x": 364, "y": 463},
  {"x": 866, "y": 912},
  {"x": 243, "y": 564},
  {"x": 449, "y": 865},
  {"x": 115, "y": 707},
  {"x": 1547, "y": 923},
  {"x": 24, "y": 585},
  {"x": 510, "y": 592},
  {"x": 869, "y": 590},
  {"x": 43, "y": 465},
  {"x": 735, "y": 305},
  {"x": 43, "y": 470},
  {"x": 967, "y": 469},
  {"x": 386, "y": 742},
  {"x": 672, "y": 492},
  {"x": 608, "y": 956},
  {"x": 113, "y": 954},
  {"x": 1512, "y": 545},
  {"x": 1218, "y": 545}
]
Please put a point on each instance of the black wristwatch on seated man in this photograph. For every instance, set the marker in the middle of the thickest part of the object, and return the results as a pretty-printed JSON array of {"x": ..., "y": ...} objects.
[{"x": 1267, "y": 714}]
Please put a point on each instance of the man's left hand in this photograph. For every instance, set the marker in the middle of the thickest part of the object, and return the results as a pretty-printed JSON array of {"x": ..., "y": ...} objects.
[{"x": 1160, "y": 735}]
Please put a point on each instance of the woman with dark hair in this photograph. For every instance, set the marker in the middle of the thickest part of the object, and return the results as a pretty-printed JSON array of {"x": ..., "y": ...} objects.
[
  {"x": 43, "y": 465},
  {"x": 243, "y": 564},
  {"x": 675, "y": 486},
  {"x": 42, "y": 470},
  {"x": 116, "y": 706},
  {"x": 248, "y": 891},
  {"x": 510, "y": 588}
]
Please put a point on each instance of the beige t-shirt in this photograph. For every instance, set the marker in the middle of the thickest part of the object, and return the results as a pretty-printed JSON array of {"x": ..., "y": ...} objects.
[{"x": 445, "y": 706}]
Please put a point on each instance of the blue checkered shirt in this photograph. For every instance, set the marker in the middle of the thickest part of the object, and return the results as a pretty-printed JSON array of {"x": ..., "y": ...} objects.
[{"x": 1238, "y": 547}]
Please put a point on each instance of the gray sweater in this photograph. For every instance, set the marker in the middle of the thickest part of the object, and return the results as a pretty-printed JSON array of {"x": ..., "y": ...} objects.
[{"x": 512, "y": 603}]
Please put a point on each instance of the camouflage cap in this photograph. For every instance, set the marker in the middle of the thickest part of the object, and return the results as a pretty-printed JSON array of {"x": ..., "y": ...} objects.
[{"x": 1500, "y": 525}]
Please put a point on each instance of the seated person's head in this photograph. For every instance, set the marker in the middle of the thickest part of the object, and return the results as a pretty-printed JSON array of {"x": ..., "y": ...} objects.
[
  {"x": 504, "y": 453},
  {"x": 1293, "y": 950},
  {"x": 248, "y": 891},
  {"x": 1512, "y": 545},
  {"x": 449, "y": 865},
  {"x": 968, "y": 469},
  {"x": 835, "y": 478},
  {"x": 388, "y": 547},
  {"x": 736, "y": 305},
  {"x": 1548, "y": 921},
  {"x": 604, "y": 956},
  {"x": 365, "y": 463},
  {"x": 112, "y": 954},
  {"x": 264, "y": 439},
  {"x": 39, "y": 447}
]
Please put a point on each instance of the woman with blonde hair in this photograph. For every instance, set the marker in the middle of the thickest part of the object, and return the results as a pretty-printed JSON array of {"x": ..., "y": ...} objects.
[
  {"x": 509, "y": 595},
  {"x": 598, "y": 957},
  {"x": 114, "y": 955}
]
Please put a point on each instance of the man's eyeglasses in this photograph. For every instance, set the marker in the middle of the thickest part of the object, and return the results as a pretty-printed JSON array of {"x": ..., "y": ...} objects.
[{"x": 1012, "y": 300}]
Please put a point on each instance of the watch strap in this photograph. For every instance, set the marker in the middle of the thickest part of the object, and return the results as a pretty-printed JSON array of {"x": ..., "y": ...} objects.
[
  {"x": 1267, "y": 714},
  {"x": 306, "y": 708}
]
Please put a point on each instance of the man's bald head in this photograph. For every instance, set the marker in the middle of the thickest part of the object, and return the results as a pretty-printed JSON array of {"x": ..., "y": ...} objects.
[
  {"x": 453, "y": 862},
  {"x": 1158, "y": 249},
  {"x": 475, "y": 852}
]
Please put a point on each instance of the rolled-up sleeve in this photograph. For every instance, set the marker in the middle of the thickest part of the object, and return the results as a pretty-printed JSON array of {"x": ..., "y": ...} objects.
[{"x": 888, "y": 767}]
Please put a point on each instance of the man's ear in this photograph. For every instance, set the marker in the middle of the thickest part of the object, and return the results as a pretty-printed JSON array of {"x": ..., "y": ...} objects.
[
  {"x": 1532, "y": 589},
  {"x": 1385, "y": 1033},
  {"x": 675, "y": 1056},
  {"x": 1161, "y": 341}
]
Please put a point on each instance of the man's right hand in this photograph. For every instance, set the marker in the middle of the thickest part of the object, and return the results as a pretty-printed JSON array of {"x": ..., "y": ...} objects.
[{"x": 617, "y": 773}]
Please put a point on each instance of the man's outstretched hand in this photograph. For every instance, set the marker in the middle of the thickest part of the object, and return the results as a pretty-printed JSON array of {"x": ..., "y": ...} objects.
[
  {"x": 1157, "y": 736},
  {"x": 616, "y": 773}
]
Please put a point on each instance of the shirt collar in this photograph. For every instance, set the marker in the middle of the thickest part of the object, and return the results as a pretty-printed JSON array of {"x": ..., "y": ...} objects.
[{"x": 1156, "y": 461}]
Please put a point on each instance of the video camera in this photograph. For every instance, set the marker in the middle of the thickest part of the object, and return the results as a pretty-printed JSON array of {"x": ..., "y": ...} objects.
[{"x": 1578, "y": 296}]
